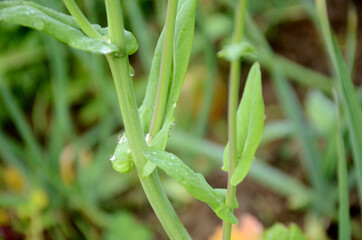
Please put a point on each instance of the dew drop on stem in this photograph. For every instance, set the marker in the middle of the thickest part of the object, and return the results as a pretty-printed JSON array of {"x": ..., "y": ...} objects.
[{"x": 131, "y": 71}]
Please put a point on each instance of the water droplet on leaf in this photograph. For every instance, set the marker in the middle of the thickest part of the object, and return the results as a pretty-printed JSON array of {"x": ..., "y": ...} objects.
[
  {"x": 149, "y": 139},
  {"x": 112, "y": 158}
]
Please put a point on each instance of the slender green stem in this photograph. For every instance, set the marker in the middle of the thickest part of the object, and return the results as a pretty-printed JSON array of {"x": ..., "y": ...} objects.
[
  {"x": 82, "y": 21},
  {"x": 344, "y": 226},
  {"x": 234, "y": 84},
  {"x": 119, "y": 66},
  {"x": 165, "y": 71}
]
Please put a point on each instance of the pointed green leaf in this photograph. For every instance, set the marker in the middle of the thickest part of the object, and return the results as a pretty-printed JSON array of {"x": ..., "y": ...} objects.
[
  {"x": 148, "y": 169},
  {"x": 184, "y": 35},
  {"x": 250, "y": 124},
  {"x": 61, "y": 26},
  {"x": 194, "y": 183}
]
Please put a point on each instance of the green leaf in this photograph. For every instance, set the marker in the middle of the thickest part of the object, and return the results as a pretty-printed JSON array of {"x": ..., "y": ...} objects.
[
  {"x": 250, "y": 124},
  {"x": 61, "y": 26},
  {"x": 280, "y": 232},
  {"x": 235, "y": 51},
  {"x": 194, "y": 183},
  {"x": 122, "y": 160},
  {"x": 184, "y": 35}
]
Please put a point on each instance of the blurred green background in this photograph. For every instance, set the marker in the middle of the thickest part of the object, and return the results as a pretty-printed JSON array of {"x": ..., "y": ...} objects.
[{"x": 59, "y": 122}]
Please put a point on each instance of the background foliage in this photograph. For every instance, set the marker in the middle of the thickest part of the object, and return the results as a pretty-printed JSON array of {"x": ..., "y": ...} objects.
[{"x": 60, "y": 121}]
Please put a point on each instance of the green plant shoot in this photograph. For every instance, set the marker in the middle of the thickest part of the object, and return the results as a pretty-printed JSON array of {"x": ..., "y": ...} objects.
[{"x": 250, "y": 124}]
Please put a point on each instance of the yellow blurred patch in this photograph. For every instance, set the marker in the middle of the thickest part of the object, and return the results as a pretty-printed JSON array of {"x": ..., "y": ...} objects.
[
  {"x": 39, "y": 199},
  {"x": 13, "y": 179},
  {"x": 249, "y": 228}
]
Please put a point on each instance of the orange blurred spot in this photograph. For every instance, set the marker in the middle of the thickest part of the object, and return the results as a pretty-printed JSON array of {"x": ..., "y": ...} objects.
[{"x": 249, "y": 228}]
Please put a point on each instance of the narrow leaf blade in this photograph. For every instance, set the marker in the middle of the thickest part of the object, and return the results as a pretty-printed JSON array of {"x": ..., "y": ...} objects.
[{"x": 194, "y": 183}]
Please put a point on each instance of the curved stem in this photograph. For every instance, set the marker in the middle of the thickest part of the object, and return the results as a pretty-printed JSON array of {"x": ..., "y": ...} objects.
[
  {"x": 82, "y": 21},
  {"x": 234, "y": 85},
  {"x": 165, "y": 71},
  {"x": 119, "y": 66}
]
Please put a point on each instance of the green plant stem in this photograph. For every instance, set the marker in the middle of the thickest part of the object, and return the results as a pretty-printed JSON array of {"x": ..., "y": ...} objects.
[
  {"x": 119, "y": 66},
  {"x": 165, "y": 71},
  {"x": 82, "y": 21},
  {"x": 234, "y": 84},
  {"x": 344, "y": 226}
]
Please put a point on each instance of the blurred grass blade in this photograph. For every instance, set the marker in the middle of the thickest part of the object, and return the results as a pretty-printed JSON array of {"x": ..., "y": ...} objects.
[
  {"x": 303, "y": 75},
  {"x": 310, "y": 156},
  {"x": 62, "y": 126},
  {"x": 351, "y": 39},
  {"x": 20, "y": 58},
  {"x": 210, "y": 78},
  {"x": 276, "y": 130},
  {"x": 9, "y": 153},
  {"x": 344, "y": 226},
  {"x": 21, "y": 123},
  {"x": 141, "y": 31},
  {"x": 292, "y": 70},
  {"x": 346, "y": 91}
]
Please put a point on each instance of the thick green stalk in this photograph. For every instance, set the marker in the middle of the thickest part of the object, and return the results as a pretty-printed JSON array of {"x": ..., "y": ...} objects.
[
  {"x": 165, "y": 71},
  {"x": 82, "y": 21},
  {"x": 119, "y": 66},
  {"x": 234, "y": 84}
]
